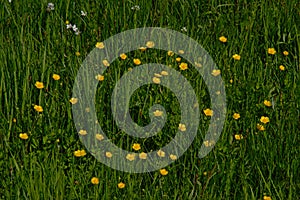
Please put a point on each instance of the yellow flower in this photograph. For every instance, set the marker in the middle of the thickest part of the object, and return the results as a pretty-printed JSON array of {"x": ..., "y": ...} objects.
[
  {"x": 173, "y": 157},
  {"x": 14, "y": 120},
  {"x": 143, "y": 155},
  {"x": 136, "y": 146},
  {"x": 121, "y": 185},
  {"x": 204, "y": 173},
  {"x": 208, "y": 112},
  {"x": 150, "y": 44},
  {"x": 182, "y": 127},
  {"x": 77, "y": 53},
  {"x": 130, "y": 156},
  {"x": 198, "y": 64},
  {"x": 156, "y": 80},
  {"x": 183, "y": 66},
  {"x": 281, "y": 67},
  {"x": 95, "y": 181},
  {"x": 108, "y": 154},
  {"x": 286, "y": 53},
  {"x": 170, "y": 53},
  {"x": 161, "y": 153},
  {"x": 38, "y": 108},
  {"x": 267, "y": 103},
  {"x": 99, "y": 77},
  {"x": 163, "y": 172},
  {"x": 79, "y": 153},
  {"x": 82, "y": 132},
  {"x": 56, "y": 77},
  {"x": 260, "y": 127},
  {"x": 236, "y": 116},
  {"x": 216, "y": 72},
  {"x": 143, "y": 48},
  {"x": 99, "y": 136},
  {"x": 137, "y": 61},
  {"x": 129, "y": 69},
  {"x": 264, "y": 119},
  {"x": 105, "y": 63},
  {"x": 164, "y": 73},
  {"x": 267, "y": 198},
  {"x": 238, "y": 136},
  {"x": 271, "y": 51},
  {"x": 158, "y": 113},
  {"x": 23, "y": 136},
  {"x": 231, "y": 81},
  {"x": 178, "y": 59},
  {"x": 67, "y": 22},
  {"x": 39, "y": 85},
  {"x": 73, "y": 100},
  {"x": 236, "y": 57},
  {"x": 123, "y": 56},
  {"x": 181, "y": 52},
  {"x": 157, "y": 75},
  {"x": 223, "y": 39},
  {"x": 100, "y": 45}
]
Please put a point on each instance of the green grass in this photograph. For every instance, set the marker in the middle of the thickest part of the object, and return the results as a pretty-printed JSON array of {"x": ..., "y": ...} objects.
[{"x": 35, "y": 44}]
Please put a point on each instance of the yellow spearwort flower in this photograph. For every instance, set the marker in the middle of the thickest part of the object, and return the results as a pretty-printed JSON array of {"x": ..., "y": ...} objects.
[
  {"x": 95, "y": 181},
  {"x": 178, "y": 59},
  {"x": 105, "y": 63},
  {"x": 236, "y": 116},
  {"x": 137, "y": 61},
  {"x": 73, "y": 100},
  {"x": 238, "y": 136},
  {"x": 170, "y": 53},
  {"x": 77, "y": 53},
  {"x": 79, "y": 153},
  {"x": 267, "y": 198},
  {"x": 108, "y": 154},
  {"x": 223, "y": 39},
  {"x": 130, "y": 156},
  {"x": 286, "y": 53},
  {"x": 164, "y": 73},
  {"x": 143, "y": 155},
  {"x": 156, "y": 80},
  {"x": 158, "y": 113},
  {"x": 100, "y": 45},
  {"x": 56, "y": 77},
  {"x": 281, "y": 67},
  {"x": 182, "y": 127},
  {"x": 142, "y": 48},
  {"x": 208, "y": 112},
  {"x": 216, "y": 72},
  {"x": 99, "y": 136},
  {"x": 136, "y": 146},
  {"x": 123, "y": 56},
  {"x": 236, "y": 57},
  {"x": 38, "y": 108},
  {"x": 173, "y": 157},
  {"x": 181, "y": 52},
  {"x": 157, "y": 75},
  {"x": 183, "y": 66},
  {"x": 271, "y": 51},
  {"x": 163, "y": 172},
  {"x": 82, "y": 132},
  {"x": 100, "y": 77},
  {"x": 150, "y": 44},
  {"x": 264, "y": 119},
  {"x": 260, "y": 127},
  {"x": 121, "y": 185},
  {"x": 161, "y": 153},
  {"x": 267, "y": 103},
  {"x": 39, "y": 85},
  {"x": 23, "y": 136}
]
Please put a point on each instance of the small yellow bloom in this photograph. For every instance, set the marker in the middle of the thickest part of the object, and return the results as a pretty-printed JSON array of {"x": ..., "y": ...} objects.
[
  {"x": 178, "y": 59},
  {"x": 173, "y": 157},
  {"x": 105, "y": 63},
  {"x": 67, "y": 22},
  {"x": 99, "y": 136},
  {"x": 95, "y": 181},
  {"x": 216, "y": 72},
  {"x": 181, "y": 52},
  {"x": 156, "y": 80},
  {"x": 236, "y": 57},
  {"x": 286, "y": 53},
  {"x": 271, "y": 51},
  {"x": 100, "y": 45},
  {"x": 208, "y": 112},
  {"x": 267, "y": 198},
  {"x": 77, "y": 53},
  {"x": 82, "y": 132},
  {"x": 108, "y": 154},
  {"x": 204, "y": 173},
  {"x": 157, "y": 75},
  {"x": 238, "y": 136},
  {"x": 129, "y": 69},
  {"x": 150, "y": 44},
  {"x": 56, "y": 77},
  {"x": 14, "y": 120},
  {"x": 158, "y": 113},
  {"x": 39, "y": 85},
  {"x": 231, "y": 81},
  {"x": 170, "y": 53},
  {"x": 281, "y": 67},
  {"x": 136, "y": 146},
  {"x": 182, "y": 127},
  {"x": 99, "y": 77},
  {"x": 198, "y": 64},
  {"x": 183, "y": 66},
  {"x": 223, "y": 39},
  {"x": 161, "y": 153},
  {"x": 143, "y": 155},
  {"x": 38, "y": 108},
  {"x": 123, "y": 56},
  {"x": 121, "y": 185},
  {"x": 163, "y": 172},
  {"x": 79, "y": 153},
  {"x": 137, "y": 61},
  {"x": 142, "y": 48},
  {"x": 23, "y": 136},
  {"x": 267, "y": 103},
  {"x": 236, "y": 116},
  {"x": 164, "y": 73},
  {"x": 73, "y": 100},
  {"x": 260, "y": 127},
  {"x": 264, "y": 119},
  {"x": 130, "y": 156}
]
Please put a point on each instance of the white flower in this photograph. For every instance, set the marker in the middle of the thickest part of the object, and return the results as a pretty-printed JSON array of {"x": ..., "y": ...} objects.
[
  {"x": 83, "y": 13},
  {"x": 9, "y": 1},
  {"x": 50, "y": 6},
  {"x": 184, "y": 29},
  {"x": 136, "y": 7},
  {"x": 75, "y": 29},
  {"x": 77, "y": 32},
  {"x": 69, "y": 26}
]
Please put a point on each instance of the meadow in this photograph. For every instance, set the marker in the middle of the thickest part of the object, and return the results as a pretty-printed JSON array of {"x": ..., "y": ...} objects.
[{"x": 255, "y": 45}]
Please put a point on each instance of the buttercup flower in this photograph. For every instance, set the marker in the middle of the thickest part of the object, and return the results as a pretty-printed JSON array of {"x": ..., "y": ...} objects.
[
  {"x": 105, "y": 63},
  {"x": 173, "y": 157},
  {"x": 223, "y": 39},
  {"x": 208, "y": 112},
  {"x": 39, "y": 85},
  {"x": 95, "y": 181},
  {"x": 77, "y": 53},
  {"x": 108, "y": 154},
  {"x": 236, "y": 57},
  {"x": 164, "y": 73},
  {"x": 216, "y": 72},
  {"x": 264, "y": 119},
  {"x": 238, "y": 136},
  {"x": 100, "y": 45},
  {"x": 121, "y": 185},
  {"x": 137, "y": 61},
  {"x": 150, "y": 44},
  {"x": 170, "y": 53},
  {"x": 82, "y": 132},
  {"x": 136, "y": 146},
  {"x": 123, "y": 56},
  {"x": 267, "y": 198},
  {"x": 198, "y": 64},
  {"x": 236, "y": 116},
  {"x": 38, "y": 108},
  {"x": 183, "y": 66},
  {"x": 267, "y": 103},
  {"x": 130, "y": 156},
  {"x": 181, "y": 52},
  {"x": 161, "y": 153},
  {"x": 56, "y": 77},
  {"x": 156, "y": 80},
  {"x": 178, "y": 59},
  {"x": 182, "y": 127},
  {"x": 286, "y": 53},
  {"x": 157, "y": 75},
  {"x": 79, "y": 153},
  {"x": 99, "y": 136},
  {"x": 143, "y": 155},
  {"x": 281, "y": 67},
  {"x": 158, "y": 113},
  {"x": 271, "y": 51},
  {"x": 163, "y": 172},
  {"x": 73, "y": 100},
  {"x": 260, "y": 127},
  {"x": 99, "y": 77},
  {"x": 143, "y": 48},
  {"x": 23, "y": 136}
]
